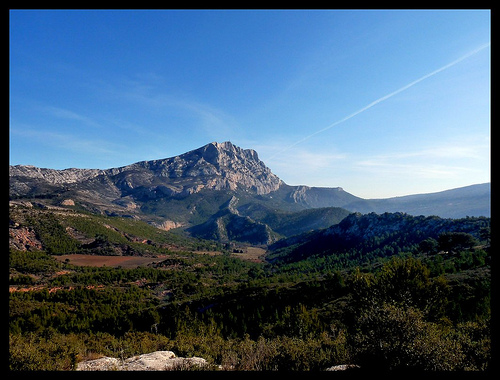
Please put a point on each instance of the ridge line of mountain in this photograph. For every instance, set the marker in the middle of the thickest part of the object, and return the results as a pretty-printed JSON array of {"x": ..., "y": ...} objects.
[
  {"x": 190, "y": 188},
  {"x": 64, "y": 176}
]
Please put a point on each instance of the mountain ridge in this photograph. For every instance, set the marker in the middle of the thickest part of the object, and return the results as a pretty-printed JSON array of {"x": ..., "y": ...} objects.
[
  {"x": 214, "y": 166},
  {"x": 191, "y": 191},
  {"x": 451, "y": 203}
]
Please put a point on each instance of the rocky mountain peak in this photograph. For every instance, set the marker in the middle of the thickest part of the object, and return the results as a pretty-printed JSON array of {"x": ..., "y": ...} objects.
[
  {"x": 223, "y": 153},
  {"x": 225, "y": 166},
  {"x": 215, "y": 166}
]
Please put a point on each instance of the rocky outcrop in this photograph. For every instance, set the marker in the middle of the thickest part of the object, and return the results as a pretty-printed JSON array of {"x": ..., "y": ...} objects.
[
  {"x": 148, "y": 187},
  {"x": 343, "y": 367},
  {"x": 24, "y": 239},
  {"x": 154, "y": 361},
  {"x": 168, "y": 225},
  {"x": 55, "y": 177},
  {"x": 215, "y": 166},
  {"x": 165, "y": 361},
  {"x": 68, "y": 202}
]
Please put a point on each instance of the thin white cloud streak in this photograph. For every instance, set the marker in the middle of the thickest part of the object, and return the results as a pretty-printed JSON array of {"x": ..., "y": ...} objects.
[
  {"x": 458, "y": 158},
  {"x": 70, "y": 142},
  {"x": 414, "y": 171},
  {"x": 313, "y": 161},
  {"x": 383, "y": 98},
  {"x": 212, "y": 121},
  {"x": 66, "y": 114},
  {"x": 468, "y": 147}
]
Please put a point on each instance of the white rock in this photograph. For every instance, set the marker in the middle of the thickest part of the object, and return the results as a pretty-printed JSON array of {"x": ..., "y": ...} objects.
[
  {"x": 342, "y": 367},
  {"x": 101, "y": 364},
  {"x": 154, "y": 361}
]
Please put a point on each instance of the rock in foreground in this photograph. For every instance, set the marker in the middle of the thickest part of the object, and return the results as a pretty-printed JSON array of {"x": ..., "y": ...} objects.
[{"x": 154, "y": 361}]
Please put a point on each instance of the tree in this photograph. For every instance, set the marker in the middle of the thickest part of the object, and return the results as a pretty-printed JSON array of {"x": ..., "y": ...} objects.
[
  {"x": 485, "y": 234},
  {"x": 429, "y": 246},
  {"x": 456, "y": 241},
  {"x": 394, "y": 337},
  {"x": 407, "y": 282}
]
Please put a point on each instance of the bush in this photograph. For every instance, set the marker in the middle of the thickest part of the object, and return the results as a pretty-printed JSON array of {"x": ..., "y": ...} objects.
[
  {"x": 33, "y": 352},
  {"x": 392, "y": 337}
]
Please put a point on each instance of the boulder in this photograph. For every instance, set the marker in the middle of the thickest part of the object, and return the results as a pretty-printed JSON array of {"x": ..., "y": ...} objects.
[
  {"x": 154, "y": 361},
  {"x": 101, "y": 364},
  {"x": 343, "y": 367}
]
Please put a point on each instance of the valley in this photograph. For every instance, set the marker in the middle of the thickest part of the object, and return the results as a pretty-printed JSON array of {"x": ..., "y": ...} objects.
[{"x": 209, "y": 254}]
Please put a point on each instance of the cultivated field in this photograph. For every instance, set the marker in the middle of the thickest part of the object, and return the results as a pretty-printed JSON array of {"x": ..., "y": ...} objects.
[{"x": 109, "y": 261}]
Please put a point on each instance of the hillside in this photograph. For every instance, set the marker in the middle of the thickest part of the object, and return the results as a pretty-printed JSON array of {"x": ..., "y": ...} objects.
[
  {"x": 374, "y": 292},
  {"x": 362, "y": 238},
  {"x": 59, "y": 230}
]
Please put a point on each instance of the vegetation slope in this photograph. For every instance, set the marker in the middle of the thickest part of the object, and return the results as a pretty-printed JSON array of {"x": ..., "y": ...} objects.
[{"x": 402, "y": 301}]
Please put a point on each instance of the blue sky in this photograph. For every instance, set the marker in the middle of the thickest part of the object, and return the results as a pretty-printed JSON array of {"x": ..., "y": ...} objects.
[{"x": 382, "y": 103}]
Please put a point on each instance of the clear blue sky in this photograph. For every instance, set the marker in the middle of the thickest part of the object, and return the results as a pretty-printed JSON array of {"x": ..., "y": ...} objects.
[{"x": 381, "y": 103}]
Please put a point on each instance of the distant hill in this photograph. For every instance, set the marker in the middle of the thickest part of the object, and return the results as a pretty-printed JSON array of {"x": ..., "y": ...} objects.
[
  {"x": 223, "y": 192},
  {"x": 358, "y": 236}
]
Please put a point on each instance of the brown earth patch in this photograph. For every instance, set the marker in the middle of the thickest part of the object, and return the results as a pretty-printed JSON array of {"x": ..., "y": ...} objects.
[
  {"x": 108, "y": 261},
  {"x": 254, "y": 254}
]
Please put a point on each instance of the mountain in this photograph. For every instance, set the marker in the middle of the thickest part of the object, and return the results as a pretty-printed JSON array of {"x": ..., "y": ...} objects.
[
  {"x": 191, "y": 191},
  {"x": 220, "y": 191},
  {"x": 226, "y": 225},
  {"x": 215, "y": 166},
  {"x": 471, "y": 200}
]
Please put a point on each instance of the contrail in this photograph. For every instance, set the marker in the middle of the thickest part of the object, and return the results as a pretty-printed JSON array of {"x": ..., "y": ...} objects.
[{"x": 379, "y": 100}]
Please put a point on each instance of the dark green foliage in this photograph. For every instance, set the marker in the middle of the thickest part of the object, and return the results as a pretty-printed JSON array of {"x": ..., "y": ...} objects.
[
  {"x": 429, "y": 245},
  {"x": 421, "y": 309},
  {"x": 32, "y": 262},
  {"x": 396, "y": 337},
  {"x": 363, "y": 239},
  {"x": 456, "y": 241},
  {"x": 52, "y": 234}
]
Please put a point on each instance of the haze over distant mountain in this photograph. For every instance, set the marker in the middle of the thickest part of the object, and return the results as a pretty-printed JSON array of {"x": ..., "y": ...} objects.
[
  {"x": 224, "y": 192},
  {"x": 471, "y": 200}
]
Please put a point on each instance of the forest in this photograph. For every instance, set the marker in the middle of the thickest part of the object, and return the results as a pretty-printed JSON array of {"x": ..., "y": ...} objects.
[{"x": 417, "y": 301}]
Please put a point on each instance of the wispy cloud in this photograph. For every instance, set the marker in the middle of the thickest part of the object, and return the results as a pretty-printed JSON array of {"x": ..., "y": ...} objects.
[
  {"x": 460, "y": 160},
  {"x": 70, "y": 142},
  {"x": 442, "y": 152},
  {"x": 66, "y": 114},
  {"x": 213, "y": 121},
  {"x": 385, "y": 97},
  {"x": 450, "y": 159},
  {"x": 144, "y": 91},
  {"x": 399, "y": 171},
  {"x": 303, "y": 166},
  {"x": 312, "y": 161}
]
